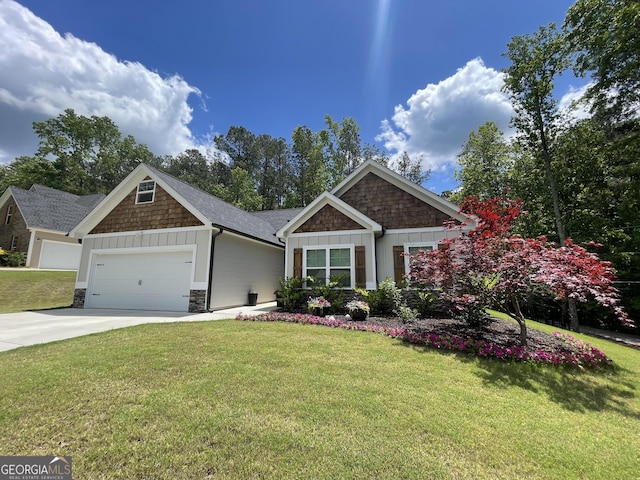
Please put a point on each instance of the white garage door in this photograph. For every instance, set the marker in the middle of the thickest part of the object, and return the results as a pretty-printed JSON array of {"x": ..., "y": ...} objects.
[
  {"x": 61, "y": 256},
  {"x": 141, "y": 281}
]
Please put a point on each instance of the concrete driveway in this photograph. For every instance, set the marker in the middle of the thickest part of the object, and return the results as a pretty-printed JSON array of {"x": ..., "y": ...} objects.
[{"x": 43, "y": 326}]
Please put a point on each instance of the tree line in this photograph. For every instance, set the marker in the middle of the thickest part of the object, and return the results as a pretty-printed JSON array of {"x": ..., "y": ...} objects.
[
  {"x": 578, "y": 178},
  {"x": 85, "y": 155}
]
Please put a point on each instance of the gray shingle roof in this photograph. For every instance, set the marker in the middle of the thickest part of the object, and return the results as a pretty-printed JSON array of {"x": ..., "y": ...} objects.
[
  {"x": 51, "y": 209},
  {"x": 221, "y": 213},
  {"x": 278, "y": 218}
]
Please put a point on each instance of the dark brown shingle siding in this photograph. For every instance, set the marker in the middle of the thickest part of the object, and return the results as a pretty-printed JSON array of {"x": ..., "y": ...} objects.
[
  {"x": 163, "y": 212},
  {"x": 391, "y": 206}
]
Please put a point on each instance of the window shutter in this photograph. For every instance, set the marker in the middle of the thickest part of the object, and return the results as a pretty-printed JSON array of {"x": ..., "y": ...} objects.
[
  {"x": 297, "y": 263},
  {"x": 361, "y": 267},
  {"x": 398, "y": 263}
]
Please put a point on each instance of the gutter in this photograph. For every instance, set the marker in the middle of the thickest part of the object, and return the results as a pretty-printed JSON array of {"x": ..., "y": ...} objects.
[
  {"x": 213, "y": 246},
  {"x": 242, "y": 234}
]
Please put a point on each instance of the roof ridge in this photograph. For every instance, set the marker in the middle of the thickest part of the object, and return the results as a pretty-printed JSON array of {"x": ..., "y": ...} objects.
[
  {"x": 199, "y": 190},
  {"x": 249, "y": 224}
]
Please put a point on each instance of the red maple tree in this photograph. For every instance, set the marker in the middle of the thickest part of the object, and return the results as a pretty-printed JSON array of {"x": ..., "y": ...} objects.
[{"x": 489, "y": 265}]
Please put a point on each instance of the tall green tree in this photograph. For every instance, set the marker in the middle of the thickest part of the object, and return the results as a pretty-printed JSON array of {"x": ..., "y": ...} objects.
[
  {"x": 536, "y": 60},
  {"x": 24, "y": 171},
  {"x": 274, "y": 171},
  {"x": 604, "y": 35},
  {"x": 344, "y": 147},
  {"x": 411, "y": 168},
  {"x": 88, "y": 153},
  {"x": 242, "y": 148},
  {"x": 485, "y": 160},
  {"x": 309, "y": 166},
  {"x": 240, "y": 191},
  {"x": 191, "y": 167},
  {"x": 373, "y": 152},
  {"x": 265, "y": 159}
]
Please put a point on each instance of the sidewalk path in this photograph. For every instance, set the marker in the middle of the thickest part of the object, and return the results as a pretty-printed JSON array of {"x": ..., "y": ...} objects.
[{"x": 622, "y": 338}]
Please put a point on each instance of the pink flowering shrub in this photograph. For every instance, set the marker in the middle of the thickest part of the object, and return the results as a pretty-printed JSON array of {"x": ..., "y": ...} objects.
[{"x": 584, "y": 355}]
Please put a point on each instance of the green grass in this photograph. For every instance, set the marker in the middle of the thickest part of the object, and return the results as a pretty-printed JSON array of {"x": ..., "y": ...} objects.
[
  {"x": 236, "y": 399},
  {"x": 22, "y": 290}
]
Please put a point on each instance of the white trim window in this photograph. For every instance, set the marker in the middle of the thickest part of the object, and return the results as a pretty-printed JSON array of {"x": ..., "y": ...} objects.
[
  {"x": 330, "y": 262},
  {"x": 14, "y": 242},
  {"x": 146, "y": 191},
  {"x": 7, "y": 218},
  {"x": 415, "y": 247}
]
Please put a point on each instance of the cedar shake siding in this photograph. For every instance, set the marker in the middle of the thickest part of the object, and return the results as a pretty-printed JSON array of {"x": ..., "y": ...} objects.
[
  {"x": 391, "y": 206},
  {"x": 16, "y": 227},
  {"x": 328, "y": 219},
  {"x": 163, "y": 212}
]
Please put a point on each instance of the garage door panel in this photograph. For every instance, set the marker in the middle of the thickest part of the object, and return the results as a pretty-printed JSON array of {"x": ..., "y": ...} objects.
[
  {"x": 145, "y": 281},
  {"x": 60, "y": 256}
]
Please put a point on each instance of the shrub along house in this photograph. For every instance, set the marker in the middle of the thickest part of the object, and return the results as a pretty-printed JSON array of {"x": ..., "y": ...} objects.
[
  {"x": 157, "y": 243},
  {"x": 362, "y": 227},
  {"x": 36, "y": 222}
]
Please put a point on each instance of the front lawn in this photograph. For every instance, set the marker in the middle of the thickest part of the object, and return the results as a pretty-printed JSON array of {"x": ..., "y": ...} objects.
[
  {"x": 236, "y": 399},
  {"x": 22, "y": 289}
]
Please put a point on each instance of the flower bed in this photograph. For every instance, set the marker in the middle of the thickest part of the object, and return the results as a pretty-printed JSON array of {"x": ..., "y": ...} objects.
[{"x": 576, "y": 353}]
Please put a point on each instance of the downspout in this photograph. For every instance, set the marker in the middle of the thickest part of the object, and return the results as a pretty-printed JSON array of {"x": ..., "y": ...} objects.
[
  {"x": 375, "y": 246},
  {"x": 213, "y": 245}
]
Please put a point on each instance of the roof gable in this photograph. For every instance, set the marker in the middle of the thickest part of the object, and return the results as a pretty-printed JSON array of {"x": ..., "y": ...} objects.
[
  {"x": 376, "y": 197},
  {"x": 164, "y": 212},
  {"x": 340, "y": 210},
  {"x": 206, "y": 208},
  {"x": 394, "y": 201},
  {"x": 328, "y": 218},
  {"x": 392, "y": 206}
]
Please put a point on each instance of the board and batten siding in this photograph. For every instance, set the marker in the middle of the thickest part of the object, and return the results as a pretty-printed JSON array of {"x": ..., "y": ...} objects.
[
  {"x": 356, "y": 239},
  {"x": 241, "y": 265},
  {"x": 166, "y": 238},
  {"x": 393, "y": 238}
]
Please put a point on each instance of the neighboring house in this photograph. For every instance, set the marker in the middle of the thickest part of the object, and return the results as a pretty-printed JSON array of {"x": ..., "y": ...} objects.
[
  {"x": 36, "y": 222},
  {"x": 362, "y": 227},
  {"x": 157, "y": 243}
]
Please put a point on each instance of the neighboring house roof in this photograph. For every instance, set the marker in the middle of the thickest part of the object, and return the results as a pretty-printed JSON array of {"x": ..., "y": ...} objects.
[
  {"x": 49, "y": 209},
  {"x": 206, "y": 207}
]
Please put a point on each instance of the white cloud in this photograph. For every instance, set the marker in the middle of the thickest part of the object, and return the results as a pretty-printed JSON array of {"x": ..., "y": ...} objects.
[
  {"x": 42, "y": 73},
  {"x": 439, "y": 118},
  {"x": 573, "y": 104}
]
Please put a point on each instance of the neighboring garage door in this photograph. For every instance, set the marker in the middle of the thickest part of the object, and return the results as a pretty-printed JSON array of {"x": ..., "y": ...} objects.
[
  {"x": 60, "y": 256},
  {"x": 141, "y": 281}
]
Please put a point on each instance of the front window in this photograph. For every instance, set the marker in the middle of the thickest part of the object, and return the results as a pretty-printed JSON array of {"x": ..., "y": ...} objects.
[
  {"x": 412, "y": 249},
  {"x": 14, "y": 242},
  {"x": 330, "y": 263},
  {"x": 146, "y": 191},
  {"x": 7, "y": 218}
]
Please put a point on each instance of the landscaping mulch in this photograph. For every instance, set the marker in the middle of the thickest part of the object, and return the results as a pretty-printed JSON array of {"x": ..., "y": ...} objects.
[{"x": 498, "y": 331}]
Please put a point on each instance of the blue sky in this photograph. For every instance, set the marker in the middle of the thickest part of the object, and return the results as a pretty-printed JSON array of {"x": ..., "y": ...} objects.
[{"x": 416, "y": 75}]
